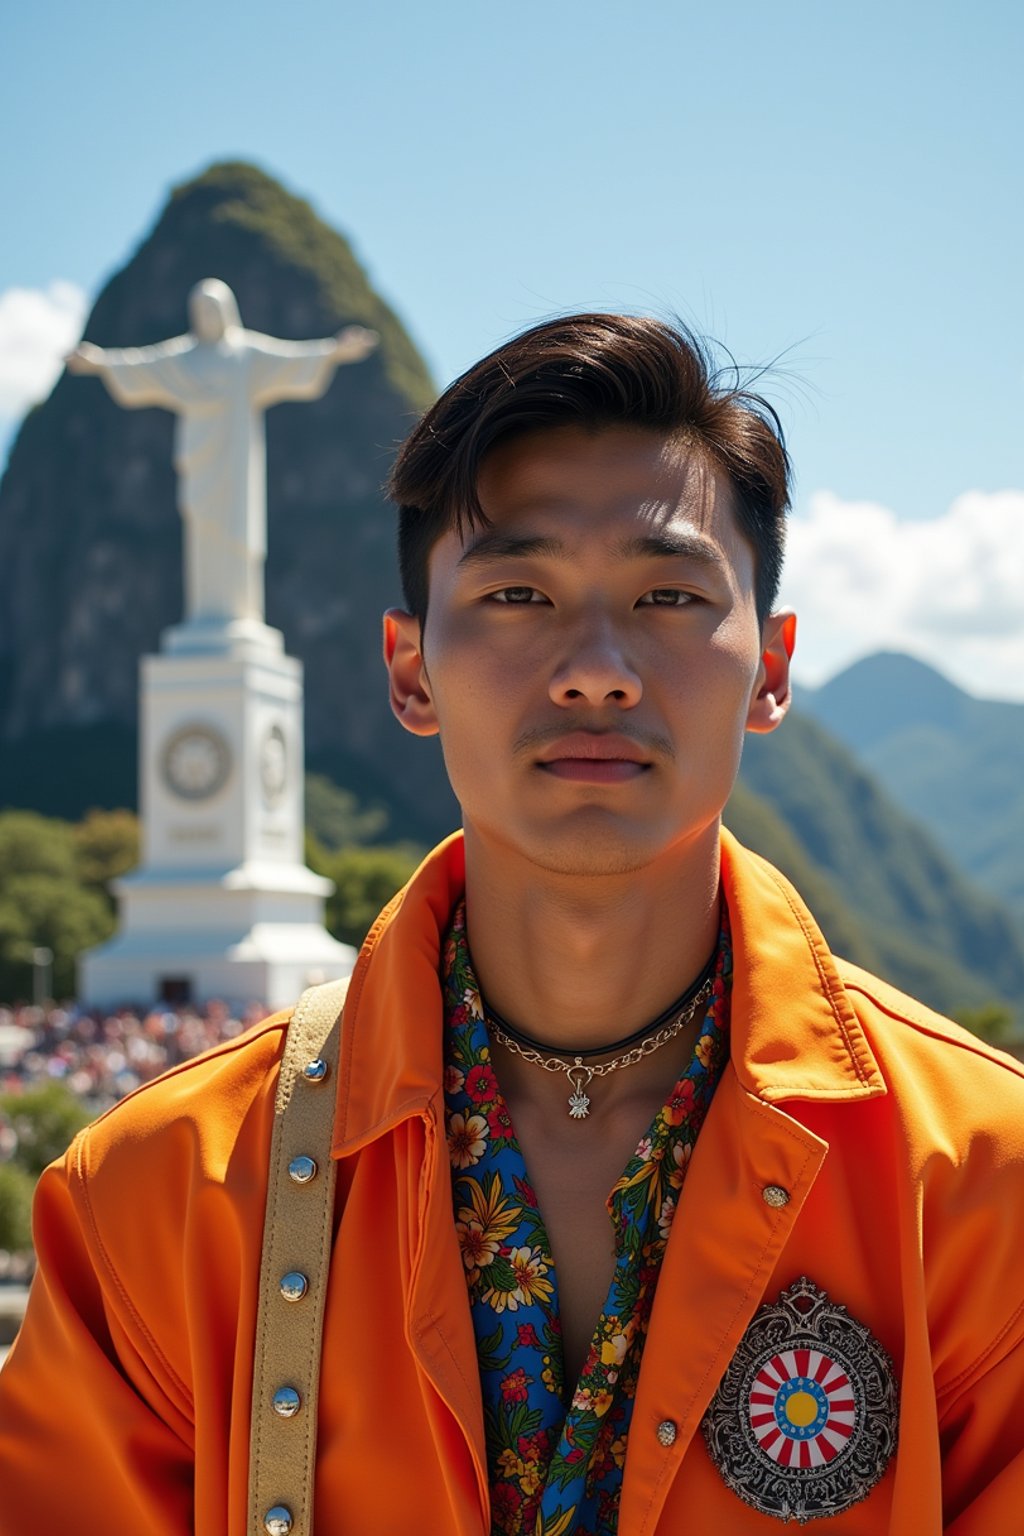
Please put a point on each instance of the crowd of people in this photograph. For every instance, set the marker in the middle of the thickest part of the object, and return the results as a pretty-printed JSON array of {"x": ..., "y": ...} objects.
[{"x": 102, "y": 1056}]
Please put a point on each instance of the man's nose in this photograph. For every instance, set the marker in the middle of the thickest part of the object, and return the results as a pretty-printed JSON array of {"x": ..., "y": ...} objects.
[{"x": 595, "y": 668}]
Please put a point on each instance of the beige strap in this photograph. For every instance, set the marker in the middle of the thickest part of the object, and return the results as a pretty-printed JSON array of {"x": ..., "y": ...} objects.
[{"x": 293, "y": 1272}]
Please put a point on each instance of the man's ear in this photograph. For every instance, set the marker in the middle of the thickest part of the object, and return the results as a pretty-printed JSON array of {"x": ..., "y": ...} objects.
[
  {"x": 411, "y": 702},
  {"x": 772, "y": 696}
]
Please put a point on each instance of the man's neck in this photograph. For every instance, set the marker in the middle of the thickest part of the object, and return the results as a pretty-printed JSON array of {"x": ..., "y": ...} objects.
[{"x": 580, "y": 961}]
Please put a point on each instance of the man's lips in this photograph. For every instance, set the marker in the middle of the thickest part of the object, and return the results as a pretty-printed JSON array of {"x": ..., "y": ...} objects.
[{"x": 592, "y": 757}]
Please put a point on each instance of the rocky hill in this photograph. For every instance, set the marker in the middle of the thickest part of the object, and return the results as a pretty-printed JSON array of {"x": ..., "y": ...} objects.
[{"x": 90, "y": 539}]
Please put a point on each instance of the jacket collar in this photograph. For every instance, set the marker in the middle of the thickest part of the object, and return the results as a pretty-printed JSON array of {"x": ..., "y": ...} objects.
[
  {"x": 391, "y": 1041},
  {"x": 794, "y": 1032}
]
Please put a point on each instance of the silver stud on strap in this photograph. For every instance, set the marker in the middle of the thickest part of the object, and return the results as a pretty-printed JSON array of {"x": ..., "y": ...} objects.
[
  {"x": 302, "y": 1169},
  {"x": 775, "y": 1196},
  {"x": 294, "y": 1285},
  {"x": 278, "y": 1520},
  {"x": 286, "y": 1402},
  {"x": 316, "y": 1071},
  {"x": 666, "y": 1432}
]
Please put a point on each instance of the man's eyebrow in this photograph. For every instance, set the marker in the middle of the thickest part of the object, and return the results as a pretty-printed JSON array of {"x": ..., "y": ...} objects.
[
  {"x": 681, "y": 545},
  {"x": 495, "y": 545}
]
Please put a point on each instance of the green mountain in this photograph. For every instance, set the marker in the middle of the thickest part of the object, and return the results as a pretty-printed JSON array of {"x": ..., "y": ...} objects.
[
  {"x": 954, "y": 762},
  {"x": 90, "y": 539},
  {"x": 917, "y": 920}
]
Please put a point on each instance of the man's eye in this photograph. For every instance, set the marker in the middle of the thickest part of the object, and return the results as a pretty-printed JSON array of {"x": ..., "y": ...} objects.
[
  {"x": 667, "y": 597},
  {"x": 515, "y": 595}
]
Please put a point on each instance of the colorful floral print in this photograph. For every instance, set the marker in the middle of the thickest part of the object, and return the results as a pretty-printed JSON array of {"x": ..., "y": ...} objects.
[{"x": 555, "y": 1461}]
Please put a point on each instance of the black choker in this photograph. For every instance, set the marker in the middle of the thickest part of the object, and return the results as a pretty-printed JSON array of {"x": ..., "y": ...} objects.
[{"x": 678, "y": 1007}]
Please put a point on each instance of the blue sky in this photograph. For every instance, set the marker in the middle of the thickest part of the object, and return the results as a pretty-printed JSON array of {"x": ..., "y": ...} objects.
[{"x": 836, "y": 186}]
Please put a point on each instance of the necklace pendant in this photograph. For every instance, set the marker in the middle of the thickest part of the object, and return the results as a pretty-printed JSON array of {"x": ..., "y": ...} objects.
[
  {"x": 579, "y": 1076},
  {"x": 579, "y": 1104}
]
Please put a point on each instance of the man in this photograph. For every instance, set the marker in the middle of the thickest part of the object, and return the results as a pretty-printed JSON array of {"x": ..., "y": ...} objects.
[{"x": 652, "y": 1215}]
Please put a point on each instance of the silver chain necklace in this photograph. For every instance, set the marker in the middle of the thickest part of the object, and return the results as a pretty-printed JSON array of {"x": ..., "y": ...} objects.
[{"x": 580, "y": 1076}]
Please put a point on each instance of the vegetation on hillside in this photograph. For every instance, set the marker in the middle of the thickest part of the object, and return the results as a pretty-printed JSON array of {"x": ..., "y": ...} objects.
[
  {"x": 994, "y": 1022},
  {"x": 952, "y": 761},
  {"x": 932, "y": 933},
  {"x": 245, "y": 197}
]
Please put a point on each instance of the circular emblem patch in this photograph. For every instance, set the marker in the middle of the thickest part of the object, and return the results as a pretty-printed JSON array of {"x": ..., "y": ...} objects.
[{"x": 804, "y": 1421}]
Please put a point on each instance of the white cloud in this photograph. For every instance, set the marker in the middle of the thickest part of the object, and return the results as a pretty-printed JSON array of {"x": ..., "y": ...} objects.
[
  {"x": 948, "y": 589},
  {"x": 38, "y": 327}
]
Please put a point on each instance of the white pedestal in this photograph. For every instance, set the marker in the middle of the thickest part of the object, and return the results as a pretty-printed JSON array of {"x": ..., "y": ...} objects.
[{"x": 222, "y": 904}]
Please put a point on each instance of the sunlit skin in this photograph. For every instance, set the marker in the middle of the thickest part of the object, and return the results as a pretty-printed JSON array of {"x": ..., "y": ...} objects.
[{"x": 591, "y": 662}]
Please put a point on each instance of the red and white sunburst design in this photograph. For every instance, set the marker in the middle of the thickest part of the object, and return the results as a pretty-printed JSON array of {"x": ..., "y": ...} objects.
[
  {"x": 806, "y": 1417},
  {"x": 802, "y": 1408}
]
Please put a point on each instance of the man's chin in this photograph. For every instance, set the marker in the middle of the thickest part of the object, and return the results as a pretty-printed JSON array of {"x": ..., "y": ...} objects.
[
  {"x": 590, "y": 862},
  {"x": 583, "y": 846}
]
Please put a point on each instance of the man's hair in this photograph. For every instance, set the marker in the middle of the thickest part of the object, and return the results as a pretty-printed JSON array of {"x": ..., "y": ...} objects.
[{"x": 592, "y": 371}]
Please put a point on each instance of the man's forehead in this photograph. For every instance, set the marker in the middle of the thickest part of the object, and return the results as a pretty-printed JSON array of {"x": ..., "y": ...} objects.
[
  {"x": 552, "y": 454},
  {"x": 625, "y": 484}
]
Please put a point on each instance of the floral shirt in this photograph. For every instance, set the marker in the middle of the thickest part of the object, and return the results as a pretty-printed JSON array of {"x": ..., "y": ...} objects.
[{"x": 555, "y": 1458}]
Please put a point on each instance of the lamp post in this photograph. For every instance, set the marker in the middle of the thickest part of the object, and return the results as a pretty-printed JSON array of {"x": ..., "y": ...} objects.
[{"x": 42, "y": 974}]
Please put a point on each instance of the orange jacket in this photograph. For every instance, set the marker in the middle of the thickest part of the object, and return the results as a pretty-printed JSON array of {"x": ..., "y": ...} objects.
[{"x": 125, "y": 1402}]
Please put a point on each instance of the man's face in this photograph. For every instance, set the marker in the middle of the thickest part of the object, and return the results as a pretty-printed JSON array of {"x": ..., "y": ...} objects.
[{"x": 592, "y": 659}]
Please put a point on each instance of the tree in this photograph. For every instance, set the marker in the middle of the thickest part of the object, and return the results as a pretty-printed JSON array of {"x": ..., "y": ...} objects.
[
  {"x": 53, "y": 911},
  {"x": 35, "y": 845},
  {"x": 16, "y": 1188},
  {"x": 365, "y": 880},
  {"x": 45, "y": 1120},
  {"x": 335, "y": 817},
  {"x": 106, "y": 844},
  {"x": 54, "y": 890}
]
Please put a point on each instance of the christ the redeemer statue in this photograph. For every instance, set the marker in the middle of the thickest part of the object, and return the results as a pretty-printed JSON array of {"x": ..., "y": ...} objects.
[{"x": 219, "y": 379}]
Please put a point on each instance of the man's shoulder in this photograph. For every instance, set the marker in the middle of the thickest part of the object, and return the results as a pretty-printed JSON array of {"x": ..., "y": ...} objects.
[
  {"x": 169, "y": 1182},
  {"x": 203, "y": 1103},
  {"x": 940, "y": 1056}
]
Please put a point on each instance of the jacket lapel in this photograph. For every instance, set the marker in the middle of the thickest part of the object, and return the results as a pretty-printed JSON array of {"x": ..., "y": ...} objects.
[
  {"x": 726, "y": 1239},
  {"x": 389, "y": 1081},
  {"x": 440, "y": 1325}
]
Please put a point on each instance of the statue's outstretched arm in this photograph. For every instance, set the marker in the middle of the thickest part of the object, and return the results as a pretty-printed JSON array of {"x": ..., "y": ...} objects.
[
  {"x": 135, "y": 376},
  {"x": 86, "y": 358},
  {"x": 354, "y": 343},
  {"x": 301, "y": 370}
]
